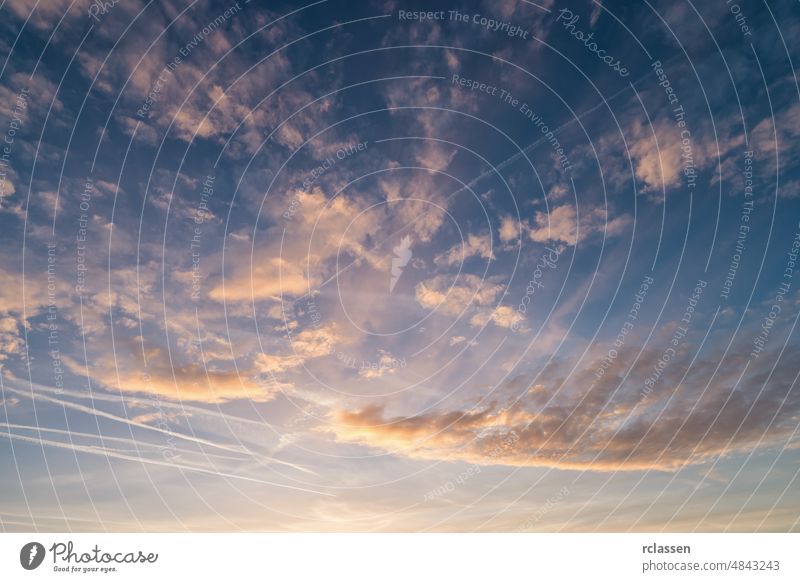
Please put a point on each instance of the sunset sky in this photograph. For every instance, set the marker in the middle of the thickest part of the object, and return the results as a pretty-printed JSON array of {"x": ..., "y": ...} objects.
[{"x": 346, "y": 266}]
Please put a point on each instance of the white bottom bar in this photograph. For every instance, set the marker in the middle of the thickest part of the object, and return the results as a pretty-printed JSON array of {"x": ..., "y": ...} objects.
[{"x": 403, "y": 557}]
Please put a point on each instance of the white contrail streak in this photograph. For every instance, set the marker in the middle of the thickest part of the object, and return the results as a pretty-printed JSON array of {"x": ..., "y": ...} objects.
[
  {"x": 122, "y": 419},
  {"x": 111, "y": 453}
]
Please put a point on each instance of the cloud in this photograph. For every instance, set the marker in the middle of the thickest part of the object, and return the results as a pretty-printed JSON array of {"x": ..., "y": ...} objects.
[
  {"x": 163, "y": 376},
  {"x": 597, "y": 9},
  {"x": 510, "y": 229},
  {"x": 422, "y": 216},
  {"x": 160, "y": 417},
  {"x": 320, "y": 230},
  {"x": 12, "y": 298},
  {"x": 7, "y": 189},
  {"x": 602, "y": 425},
  {"x": 785, "y": 128},
  {"x": 443, "y": 294},
  {"x": 562, "y": 225},
  {"x": 306, "y": 345},
  {"x": 385, "y": 364},
  {"x": 474, "y": 246},
  {"x": 665, "y": 155},
  {"x": 271, "y": 278},
  {"x": 559, "y": 225},
  {"x": 502, "y": 316},
  {"x": 471, "y": 294},
  {"x": 45, "y": 15},
  {"x": 11, "y": 342},
  {"x": 657, "y": 155}
]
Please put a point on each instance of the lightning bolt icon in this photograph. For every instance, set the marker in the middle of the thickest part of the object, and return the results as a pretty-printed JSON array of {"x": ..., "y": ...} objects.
[{"x": 400, "y": 260}]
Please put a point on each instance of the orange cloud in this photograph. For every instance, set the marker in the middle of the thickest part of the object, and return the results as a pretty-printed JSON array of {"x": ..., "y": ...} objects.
[
  {"x": 159, "y": 377},
  {"x": 453, "y": 297},
  {"x": 474, "y": 246},
  {"x": 292, "y": 265},
  {"x": 600, "y": 427},
  {"x": 562, "y": 224},
  {"x": 306, "y": 345},
  {"x": 270, "y": 279}
]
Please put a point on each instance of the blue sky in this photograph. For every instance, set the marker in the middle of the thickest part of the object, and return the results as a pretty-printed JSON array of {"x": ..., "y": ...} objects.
[{"x": 381, "y": 266}]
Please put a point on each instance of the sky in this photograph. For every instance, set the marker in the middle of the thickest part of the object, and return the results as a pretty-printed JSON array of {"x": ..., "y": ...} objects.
[{"x": 399, "y": 266}]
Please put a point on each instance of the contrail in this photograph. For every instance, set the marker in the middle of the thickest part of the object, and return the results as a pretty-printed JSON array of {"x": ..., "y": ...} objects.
[
  {"x": 124, "y": 457},
  {"x": 196, "y": 440},
  {"x": 108, "y": 415},
  {"x": 138, "y": 402},
  {"x": 135, "y": 445}
]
